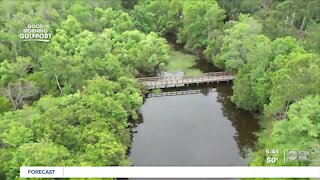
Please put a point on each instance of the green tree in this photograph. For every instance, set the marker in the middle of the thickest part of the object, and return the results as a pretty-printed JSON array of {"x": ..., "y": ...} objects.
[
  {"x": 300, "y": 130},
  {"x": 4, "y": 104},
  {"x": 312, "y": 38},
  {"x": 251, "y": 87},
  {"x": 69, "y": 125},
  {"x": 290, "y": 17},
  {"x": 298, "y": 78},
  {"x": 158, "y": 16},
  {"x": 125, "y": 91},
  {"x": 234, "y": 8},
  {"x": 18, "y": 134},
  {"x": 143, "y": 19},
  {"x": 37, "y": 154},
  {"x": 265, "y": 59},
  {"x": 115, "y": 19},
  {"x": 200, "y": 19},
  {"x": 141, "y": 52},
  {"x": 12, "y": 71},
  {"x": 237, "y": 43}
]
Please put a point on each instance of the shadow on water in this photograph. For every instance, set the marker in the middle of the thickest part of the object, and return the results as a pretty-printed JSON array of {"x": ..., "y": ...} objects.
[
  {"x": 212, "y": 110},
  {"x": 243, "y": 121}
]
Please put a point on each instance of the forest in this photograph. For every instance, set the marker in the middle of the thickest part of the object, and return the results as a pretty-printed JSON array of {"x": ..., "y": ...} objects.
[{"x": 71, "y": 101}]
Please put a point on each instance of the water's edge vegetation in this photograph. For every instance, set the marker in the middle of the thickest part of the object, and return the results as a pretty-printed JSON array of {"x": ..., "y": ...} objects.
[{"x": 68, "y": 102}]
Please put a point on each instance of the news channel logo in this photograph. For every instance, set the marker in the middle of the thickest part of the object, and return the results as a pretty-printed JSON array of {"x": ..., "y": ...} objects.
[
  {"x": 35, "y": 32},
  {"x": 301, "y": 155}
]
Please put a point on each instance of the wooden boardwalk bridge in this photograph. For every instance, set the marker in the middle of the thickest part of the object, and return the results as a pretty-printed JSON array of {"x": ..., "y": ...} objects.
[{"x": 173, "y": 81}]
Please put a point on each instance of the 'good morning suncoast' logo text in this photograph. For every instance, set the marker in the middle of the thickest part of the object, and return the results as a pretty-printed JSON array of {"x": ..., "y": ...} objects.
[{"x": 35, "y": 32}]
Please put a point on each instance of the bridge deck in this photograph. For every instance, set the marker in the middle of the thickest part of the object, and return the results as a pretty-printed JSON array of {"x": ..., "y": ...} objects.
[{"x": 167, "y": 82}]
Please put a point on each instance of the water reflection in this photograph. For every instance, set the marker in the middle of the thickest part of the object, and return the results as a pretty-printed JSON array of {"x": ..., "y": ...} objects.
[
  {"x": 244, "y": 123},
  {"x": 194, "y": 129}
]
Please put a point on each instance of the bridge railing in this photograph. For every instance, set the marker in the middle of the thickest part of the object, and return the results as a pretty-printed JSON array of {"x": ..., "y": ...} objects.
[
  {"x": 204, "y": 75},
  {"x": 149, "y": 79}
]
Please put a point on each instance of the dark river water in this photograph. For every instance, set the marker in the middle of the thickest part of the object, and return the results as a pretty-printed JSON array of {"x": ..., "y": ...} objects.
[{"x": 204, "y": 129}]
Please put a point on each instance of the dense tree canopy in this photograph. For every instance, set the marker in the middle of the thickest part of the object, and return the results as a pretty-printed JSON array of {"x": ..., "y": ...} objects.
[
  {"x": 200, "y": 20},
  {"x": 251, "y": 88},
  {"x": 236, "y": 43},
  {"x": 158, "y": 16},
  {"x": 300, "y": 130},
  {"x": 70, "y": 101},
  {"x": 71, "y": 125},
  {"x": 74, "y": 95}
]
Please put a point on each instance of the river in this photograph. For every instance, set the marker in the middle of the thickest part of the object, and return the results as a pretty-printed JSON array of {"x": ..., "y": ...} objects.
[{"x": 204, "y": 129}]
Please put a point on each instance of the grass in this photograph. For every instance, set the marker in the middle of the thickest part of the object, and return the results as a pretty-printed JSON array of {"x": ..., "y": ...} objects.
[
  {"x": 179, "y": 61},
  {"x": 193, "y": 72}
]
